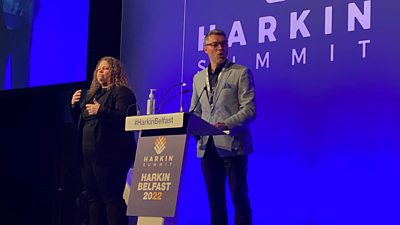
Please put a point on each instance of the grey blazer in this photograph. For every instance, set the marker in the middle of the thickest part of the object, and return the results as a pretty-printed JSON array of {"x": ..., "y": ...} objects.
[{"x": 233, "y": 104}]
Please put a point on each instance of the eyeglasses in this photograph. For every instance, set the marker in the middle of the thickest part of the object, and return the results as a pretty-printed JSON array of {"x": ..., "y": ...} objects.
[{"x": 216, "y": 44}]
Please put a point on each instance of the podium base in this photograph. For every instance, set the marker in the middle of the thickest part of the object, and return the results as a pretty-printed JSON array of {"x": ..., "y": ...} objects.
[
  {"x": 143, "y": 220},
  {"x": 150, "y": 220}
]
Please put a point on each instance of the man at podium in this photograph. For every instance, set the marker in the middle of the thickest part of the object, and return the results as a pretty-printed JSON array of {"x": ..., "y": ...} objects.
[{"x": 228, "y": 104}]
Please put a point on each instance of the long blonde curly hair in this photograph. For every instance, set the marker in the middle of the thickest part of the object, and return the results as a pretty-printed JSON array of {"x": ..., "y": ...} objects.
[{"x": 118, "y": 74}]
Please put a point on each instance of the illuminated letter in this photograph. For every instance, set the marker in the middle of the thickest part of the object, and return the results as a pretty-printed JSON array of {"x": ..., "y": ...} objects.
[
  {"x": 364, "y": 47},
  {"x": 262, "y": 31},
  {"x": 363, "y": 19},
  {"x": 237, "y": 28},
  {"x": 263, "y": 61},
  {"x": 297, "y": 24},
  {"x": 297, "y": 57},
  {"x": 200, "y": 46},
  {"x": 274, "y": 1},
  {"x": 328, "y": 20}
]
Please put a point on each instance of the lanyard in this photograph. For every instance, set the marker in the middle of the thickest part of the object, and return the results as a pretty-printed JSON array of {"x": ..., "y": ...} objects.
[{"x": 211, "y": 96}]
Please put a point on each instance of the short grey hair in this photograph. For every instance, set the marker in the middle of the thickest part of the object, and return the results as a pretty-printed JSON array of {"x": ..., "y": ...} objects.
[{"x": 214, "y": 32}]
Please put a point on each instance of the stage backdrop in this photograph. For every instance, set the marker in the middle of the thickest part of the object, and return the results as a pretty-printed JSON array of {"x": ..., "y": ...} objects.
[
  {"x": 326, "y": 135},
  {"x": 57, "y": 53}
]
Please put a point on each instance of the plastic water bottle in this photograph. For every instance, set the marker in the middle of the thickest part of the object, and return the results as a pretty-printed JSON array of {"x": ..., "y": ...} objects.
[{"x": 151, "y": 102}]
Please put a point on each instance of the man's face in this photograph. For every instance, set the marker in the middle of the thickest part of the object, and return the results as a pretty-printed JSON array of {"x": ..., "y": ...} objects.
[{"x": 216, "y": 47}]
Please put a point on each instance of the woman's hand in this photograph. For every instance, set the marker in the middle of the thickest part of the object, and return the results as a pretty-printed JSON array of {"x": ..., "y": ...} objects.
[
  {"x": 93, "y": 108},
  {"x": 76, "y": 96}
]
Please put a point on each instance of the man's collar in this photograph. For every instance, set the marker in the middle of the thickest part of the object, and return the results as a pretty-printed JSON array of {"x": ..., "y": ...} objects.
[{"x": 219, "y": 67}]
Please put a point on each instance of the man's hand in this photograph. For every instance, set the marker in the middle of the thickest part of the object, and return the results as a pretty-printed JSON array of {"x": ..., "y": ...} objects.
[{"x": 220, "y": 126}]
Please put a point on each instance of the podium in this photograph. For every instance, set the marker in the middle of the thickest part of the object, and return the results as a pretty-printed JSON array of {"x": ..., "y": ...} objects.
[{"x": 160, "y": 154}]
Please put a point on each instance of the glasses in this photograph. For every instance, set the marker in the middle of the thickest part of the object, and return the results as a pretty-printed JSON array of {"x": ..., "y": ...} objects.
[{"x": 216, "y": 44}]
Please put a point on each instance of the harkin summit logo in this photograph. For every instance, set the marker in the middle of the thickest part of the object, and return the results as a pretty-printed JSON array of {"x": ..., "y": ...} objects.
[
  {"x": 159, "y": 144},
  {"x": 159, "y": 159},
  {"x": 323, "y": 23}
]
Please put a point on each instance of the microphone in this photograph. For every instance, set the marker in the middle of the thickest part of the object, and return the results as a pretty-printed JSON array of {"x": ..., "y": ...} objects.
[
  {"x": 183, "y": 84},
  {"x": 180, "y": 93},
  {"x": 198, "y": 99}
]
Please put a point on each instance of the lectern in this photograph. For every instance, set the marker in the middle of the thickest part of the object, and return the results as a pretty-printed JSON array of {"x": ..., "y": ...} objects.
[{"x": 160, "y": 153}]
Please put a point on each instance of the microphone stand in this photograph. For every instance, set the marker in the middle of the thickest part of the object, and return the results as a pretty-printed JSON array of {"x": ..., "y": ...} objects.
[
  {"x": 166, "y": 92},
  {"x": 180, "y": 93},
  {"x": 198, "y": 100}
]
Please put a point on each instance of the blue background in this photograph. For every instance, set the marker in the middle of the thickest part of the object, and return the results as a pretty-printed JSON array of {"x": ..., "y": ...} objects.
[
  {"x": 326, "y": 136},
  {"x": 59, "y": 43}
]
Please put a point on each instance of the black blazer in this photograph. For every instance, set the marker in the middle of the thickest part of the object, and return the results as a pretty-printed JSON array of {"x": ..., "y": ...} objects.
[{"x": 112, "y": 143}]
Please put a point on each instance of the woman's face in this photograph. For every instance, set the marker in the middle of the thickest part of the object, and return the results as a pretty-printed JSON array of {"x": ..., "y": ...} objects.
[{"x": 103, "y": 74}]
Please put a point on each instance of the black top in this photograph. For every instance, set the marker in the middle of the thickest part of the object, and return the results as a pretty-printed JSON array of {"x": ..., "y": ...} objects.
[
  {"x": 213, "y": 79},
  {"x": 89, "y": 121},
  {"x": 108, "y": 140}
]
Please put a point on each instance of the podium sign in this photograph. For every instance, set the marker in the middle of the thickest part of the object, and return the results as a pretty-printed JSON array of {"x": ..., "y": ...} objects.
[
  {"x": 158, "y": 164},
  {"x": 157, "y": 172},
  {"x": 157, "y": 121}
]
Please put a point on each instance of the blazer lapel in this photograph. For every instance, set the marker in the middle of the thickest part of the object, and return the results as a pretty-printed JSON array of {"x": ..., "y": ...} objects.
[
  {"x": 223, "y": 76},
  {"x": 200, "y": 86},
  {"x": 103, "y": 99},
  {"x": 87, "y": 98}
]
